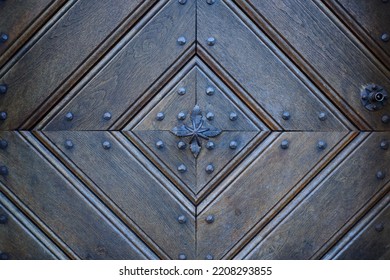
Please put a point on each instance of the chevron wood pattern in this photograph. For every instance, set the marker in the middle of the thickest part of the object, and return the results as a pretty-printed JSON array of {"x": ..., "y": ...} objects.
[{"x": 226, "y": 129}]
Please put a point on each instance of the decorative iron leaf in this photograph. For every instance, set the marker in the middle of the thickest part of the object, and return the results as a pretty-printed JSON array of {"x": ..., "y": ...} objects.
[
  {"x": 195, "y": 147},
  {"x": 196, "y": 117},
  {"x": 181, "y": 131},
  {"x": 211, "y": 132}
]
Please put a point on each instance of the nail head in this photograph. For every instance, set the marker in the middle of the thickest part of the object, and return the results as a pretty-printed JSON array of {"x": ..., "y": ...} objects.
[
  {"x": 182, "y": 219},
  {"x": 285, "y": 144},
  {"x": 3, "y": 144},
  {"x": 106, "y": 145},
  {"x": 181, "y": 40},
  {"x": 211, "y": 41},
  {"x": 159, "y": 144},
  {"x": 210, "y": 219}
]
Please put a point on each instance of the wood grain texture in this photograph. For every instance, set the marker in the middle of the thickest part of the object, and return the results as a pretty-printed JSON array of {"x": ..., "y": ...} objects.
[
  {"x": 22, "y": 240},
  {"x": 335, "y": 200},
  {"x": 127, "y": 182},
  {"x": 57, "y": 54},
  {"x": 259, "y": 188},
  {"x": 265, "y": 76},
  {"x": 57, "y": 203},
  {"x": 125, "y": 78},
  {"x": 343, "y": 67}
]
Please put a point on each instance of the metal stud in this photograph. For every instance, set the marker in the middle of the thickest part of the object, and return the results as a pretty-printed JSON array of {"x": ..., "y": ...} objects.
[
  {"x": 69, "y": 116},
  {"x": 209, "y": 257},
  {"x": 233, "y": 116},
  {"x": 3, "y": 170},
  {"x": 107, "y": 116},
  {"x": 69, "y": 144},
  {"x": 385, "y": 37},
  {"x": 210, "y": 116},
  {"x": 182, "y": 219},
  {"x": 182, "y": 168},
  {"x": 210, "y": 219},
  {"x": 384, "y": 145},
  {"x": 211, "y": 41},
  {"x": 3, "y": 116},
  {"x": 3, "y": 219},
  {"x": 181, "y": 91},
  {"x": 210, "y": 168},
  {"x": 3, "y": 37},
  {"x": 321, "y": 145},
  {"x": 181, "y": 116},
  {"x": 3, "y": 88},
  {"x": 380, "y": 175},
  {"x": 210, "y": 145},
  {"x": 210, "y": 2},
  {"x": 233, "y": 145},
  {"x": 284, "y": 145},
  {"x": 4, "y": 256},
  {"x": 322, "y": 116},
  {"x": 182, "y": 256},
  {"x": 181, "y": 145},
  {"x": 386, "y": 119},
  {"x": 379, "y": 227},
  {"x": 106, "y": 145},
  {"x": 286, "y": 116},
  {"x": 182, "y": 2},
  {"x": 210, "y": 90},
  {"x": 181, "y": 40},
  {"x": 160, "y": 116},
  {"x": 3, "y": 144},
  {"x": 159, "y": 144}
]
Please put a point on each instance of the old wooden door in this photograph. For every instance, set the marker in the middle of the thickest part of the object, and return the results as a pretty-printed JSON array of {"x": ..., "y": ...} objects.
[{"x": 194, "y": 129}]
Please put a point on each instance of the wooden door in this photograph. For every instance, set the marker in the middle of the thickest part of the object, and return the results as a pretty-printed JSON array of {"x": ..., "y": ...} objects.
[{"x": 194, "y": 129}]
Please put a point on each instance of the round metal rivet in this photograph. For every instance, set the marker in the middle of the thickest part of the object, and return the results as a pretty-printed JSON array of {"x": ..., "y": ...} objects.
[
  {"x": 3, "y": 116},
  {"x": 181, "y": 145},
  {"x": 210, "y": 90},
  {"x": 182, "y": 219},
  {"x": 182, "y": 168},
  {"x": 386, "y": 119},
  {"x": 3, "y": 37},
  {"x": 182, "y": 256},
  {"x": 209, "y": 257},
  {"x": 182, "y": 2},
  {"x": 4, "y": 256},
  {"x": 209, "y": 168},
  {"x": 181, "y": 116},
  {"x": 286, "y": 116},
  {"x": 379, "y": 227},
  {"x": 3, "y": 144},
  {"x": 107, "y": 116},
  {"x": 233, "y": 145},
  {"x": 3, "y": 170},
  {"x": 159, "y": 144},
  {"x": 233, "y": 116},
  {"x": 322, "y": 116},
  {"x": 3, "y": 88},
  {"x": 321, "y": 145},
  {"x": 160, "y": 116},
  {"x": 210, "y": 145},
  {"x": 69, "y": 144},
  {"x": 3, "y": 219},
  {"x": 380, "y": 175},
  {"x": 284, "y": 145},
  {"x": 106, "y": 145},
  {"x": 181, "y": 40},
  {"x": 384, "y": 145},
  {"x": 210, "y": 2},
  {"x": 181, "y": 91},
  {"x": 210, "y": 219},
  {"x": 385, "y": 37},
  {"x": 210, "y": 116},
  {"x": 69, "y": 116},
  {"x": 211, "y": 41}
]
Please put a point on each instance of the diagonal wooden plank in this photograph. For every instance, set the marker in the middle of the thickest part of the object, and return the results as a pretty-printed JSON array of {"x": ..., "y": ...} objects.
[
  {"x": 129, "y": 74},
  {"x": 265, "y": 73},
  {"x": 271, "y": 179},
  {"x": 59, "y": 204},
  {"x": 127, "y": 181},
  {"x": 328, "y": 53},
  {"x": 57, "y": 54},
  {"x": 336, "y": 199},
  {"x": 20, "y": 239}
]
